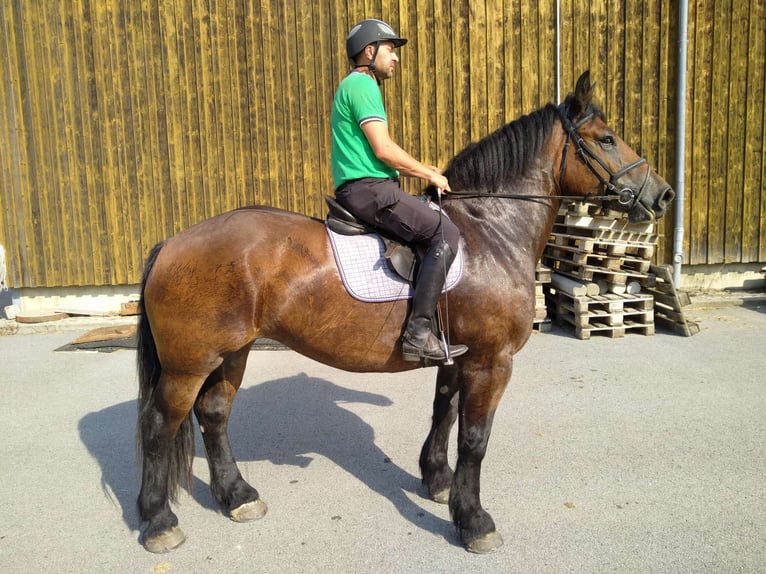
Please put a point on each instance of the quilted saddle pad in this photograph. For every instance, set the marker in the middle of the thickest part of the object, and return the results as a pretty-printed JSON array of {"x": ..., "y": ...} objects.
[{"x": 366, "y": 274}]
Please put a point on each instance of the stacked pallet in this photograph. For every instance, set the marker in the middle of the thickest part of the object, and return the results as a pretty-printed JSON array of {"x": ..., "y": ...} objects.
[
  {"x": 599, "y": 262},
  {"x": 542, "y": 278}
]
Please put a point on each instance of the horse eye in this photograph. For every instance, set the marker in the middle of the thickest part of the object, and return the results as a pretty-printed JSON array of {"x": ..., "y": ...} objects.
[{"x": 607, "y": 140}]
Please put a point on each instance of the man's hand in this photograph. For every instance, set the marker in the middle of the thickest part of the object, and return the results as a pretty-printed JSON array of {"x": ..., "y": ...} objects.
[{"x": 438, "y": 180}]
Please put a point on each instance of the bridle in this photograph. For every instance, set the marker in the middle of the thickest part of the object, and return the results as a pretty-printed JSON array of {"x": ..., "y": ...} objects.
[{"x": 625, "y": 196}]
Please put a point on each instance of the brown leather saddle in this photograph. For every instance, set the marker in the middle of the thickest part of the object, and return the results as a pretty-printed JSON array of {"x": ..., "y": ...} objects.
[{"x": 400, "y": 258}]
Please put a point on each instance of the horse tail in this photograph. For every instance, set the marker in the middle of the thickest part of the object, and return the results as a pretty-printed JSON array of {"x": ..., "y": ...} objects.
[{"x": 149, "y": 372}]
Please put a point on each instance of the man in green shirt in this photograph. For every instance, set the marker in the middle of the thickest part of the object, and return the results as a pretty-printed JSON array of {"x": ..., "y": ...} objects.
[{"x": 366, "y": 164}]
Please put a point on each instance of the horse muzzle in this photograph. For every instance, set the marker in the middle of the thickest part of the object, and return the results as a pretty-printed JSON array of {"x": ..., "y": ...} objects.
[{"x": 643, "y": 210}]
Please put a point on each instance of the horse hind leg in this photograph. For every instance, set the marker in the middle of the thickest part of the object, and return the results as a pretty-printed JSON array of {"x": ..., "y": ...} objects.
[
  {"x": 166, "y": 444},
  {"x": 212, "y": 408}
]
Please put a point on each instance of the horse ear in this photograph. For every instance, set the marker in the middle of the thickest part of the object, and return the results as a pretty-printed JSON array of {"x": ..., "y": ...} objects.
[{"x": 583, "y": 93}]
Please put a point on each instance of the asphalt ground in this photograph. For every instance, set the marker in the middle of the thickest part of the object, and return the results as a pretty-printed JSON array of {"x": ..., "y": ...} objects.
[{"x": 638, "y": 454}]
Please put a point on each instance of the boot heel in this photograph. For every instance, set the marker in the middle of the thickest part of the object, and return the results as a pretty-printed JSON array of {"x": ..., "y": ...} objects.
[{"x": 411, "y": 357}]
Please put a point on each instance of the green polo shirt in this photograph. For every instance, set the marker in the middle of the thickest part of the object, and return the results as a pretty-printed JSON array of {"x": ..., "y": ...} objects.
[{"x": 358, "y": 100}]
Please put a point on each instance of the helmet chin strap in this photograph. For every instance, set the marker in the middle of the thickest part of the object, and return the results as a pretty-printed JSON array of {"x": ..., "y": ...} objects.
[{"x": 371, "y": 65}]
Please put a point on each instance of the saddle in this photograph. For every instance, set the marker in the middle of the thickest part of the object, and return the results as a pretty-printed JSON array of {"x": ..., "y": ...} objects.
[{"x": 400, "y": 258}]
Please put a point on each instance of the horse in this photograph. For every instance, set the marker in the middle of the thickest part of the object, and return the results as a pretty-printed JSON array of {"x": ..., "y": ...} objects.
[{"x": 208, "y": 292}]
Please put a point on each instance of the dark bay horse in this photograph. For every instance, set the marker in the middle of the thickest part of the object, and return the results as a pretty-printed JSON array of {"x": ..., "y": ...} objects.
[{"x": 211, "y": 290}]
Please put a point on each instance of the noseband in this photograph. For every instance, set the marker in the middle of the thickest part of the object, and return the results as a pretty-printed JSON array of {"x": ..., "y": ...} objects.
[{"x": 625, "y": 196}]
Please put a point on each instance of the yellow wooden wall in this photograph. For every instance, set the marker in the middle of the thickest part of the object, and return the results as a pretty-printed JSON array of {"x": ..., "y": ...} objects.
[{"x": 125, "y": 122}]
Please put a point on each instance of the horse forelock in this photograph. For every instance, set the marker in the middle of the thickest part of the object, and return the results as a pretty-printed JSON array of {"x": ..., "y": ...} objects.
[{"x": 504, "y": 155}]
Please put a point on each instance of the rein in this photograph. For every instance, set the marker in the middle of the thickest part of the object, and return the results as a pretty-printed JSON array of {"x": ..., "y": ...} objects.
[{"x": 625, "y": 196}]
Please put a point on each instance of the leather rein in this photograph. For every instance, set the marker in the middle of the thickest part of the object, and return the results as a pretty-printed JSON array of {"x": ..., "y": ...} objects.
[{"x": 625, "y": 196}]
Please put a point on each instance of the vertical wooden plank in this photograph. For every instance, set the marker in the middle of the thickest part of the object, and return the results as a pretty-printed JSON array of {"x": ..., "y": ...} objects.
[
  {"x": 754, "y": 158},
  {"x": 325, "y": 33},
  {"x": 94, "y": 229},
  {"x": 226, "y": 95},
  {"x": 199, "y": 45},
  {"x": 35, "y": 119},
  {"x": 650, "y": 78},
  {"x": 257, "y": 103},
  {"x": 240, "y": 96},
  {"x": 566, "y": 48},
  {"x": 292, "y": 155},
  {"x": 311, "y": 115},
  {"x": 513, "y": 56},
  {"x": 477, "y": 70},
  {"x": 580, "y": 43},
  {"x": 496, "y": 64},
  {"x": 633, "y": 88},
  {"x": 461, "y": 112},
  {"x": 126, "y": 211},
  {"x": 599, "y": 39},
  {"x": 274, "y": 93},
  {"x": 13, "y": 234},
  {"x": 719, "y": 103},
  {"x": 530, "y": 59},
  {"x": 546, "y": 48},
  {"x": 700, "y": 140},
  {"x": 422, "y": 111},
  {"x": 614, "y": 103},
  {"x": 442, "y": 60},
  {"x": 666, "y": 71},
  {"x": 189, "y": 130},
  {"x": 160, "y": 199},
  {"x": 57, "y": 267},
  {"x": 735, "y": 134},
  {"x": 141, "y": 186}
]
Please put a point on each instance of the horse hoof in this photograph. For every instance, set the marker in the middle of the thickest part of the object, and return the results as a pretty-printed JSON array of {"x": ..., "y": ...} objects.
[
  {"x": 442, "y": 497},
  {"x": 485, "y": 544},
  {"x": 252, "y": 510},
  {"x": 165, "y": 541}
]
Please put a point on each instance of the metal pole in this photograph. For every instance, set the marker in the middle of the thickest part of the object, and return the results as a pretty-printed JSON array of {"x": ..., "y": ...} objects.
[
  {"x": 558, "y": 51},
  {"x": 678, "y": 231}
]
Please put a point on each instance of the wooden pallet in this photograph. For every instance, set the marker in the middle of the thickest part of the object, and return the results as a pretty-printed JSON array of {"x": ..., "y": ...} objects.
[
  {"x": 611, "y": 315},
  {"x": 541, "y": 321},
  {"x": 597, "y": 258},
  {"x": 608, "y": 235},
  {"x": 593, "y": 245},
  {"x": 669, "y": 303},
  {"x": 591, "y": 273}
]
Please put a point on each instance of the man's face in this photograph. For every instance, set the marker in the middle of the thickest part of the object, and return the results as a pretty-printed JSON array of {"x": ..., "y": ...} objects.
[{"x": 385, "y": 61}]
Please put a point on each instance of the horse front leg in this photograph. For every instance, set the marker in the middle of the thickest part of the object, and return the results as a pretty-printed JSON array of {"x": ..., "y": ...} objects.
[
  {"x": 212, "y": 408},
  {"x": 480, "y": 394},
  {"x": 434, "y": 467}
]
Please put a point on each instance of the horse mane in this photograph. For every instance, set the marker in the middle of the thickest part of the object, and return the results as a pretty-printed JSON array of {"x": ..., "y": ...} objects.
[{"x": 508, "y": 153}]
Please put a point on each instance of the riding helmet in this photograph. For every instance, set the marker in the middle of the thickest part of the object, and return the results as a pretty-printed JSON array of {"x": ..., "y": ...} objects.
[{"x": 368, "y": 32}]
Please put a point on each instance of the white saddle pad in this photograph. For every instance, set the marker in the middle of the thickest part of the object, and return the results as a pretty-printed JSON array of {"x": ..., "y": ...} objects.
[{"x": 365, "y": 273}]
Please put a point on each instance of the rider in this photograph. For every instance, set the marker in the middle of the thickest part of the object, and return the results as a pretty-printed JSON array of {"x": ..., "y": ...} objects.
[{"x": 366, "y": 164}]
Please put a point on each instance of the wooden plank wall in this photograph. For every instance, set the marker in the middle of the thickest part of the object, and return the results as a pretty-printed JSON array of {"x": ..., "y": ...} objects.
[{"x": 125, "y": 122}]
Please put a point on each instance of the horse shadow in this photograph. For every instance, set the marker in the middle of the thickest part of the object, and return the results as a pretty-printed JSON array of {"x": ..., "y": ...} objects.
[{"x": 284, "y": 421}]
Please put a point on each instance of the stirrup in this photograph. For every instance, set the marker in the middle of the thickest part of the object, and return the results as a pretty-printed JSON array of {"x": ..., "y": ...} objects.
[{"x": 432, "y": 349}]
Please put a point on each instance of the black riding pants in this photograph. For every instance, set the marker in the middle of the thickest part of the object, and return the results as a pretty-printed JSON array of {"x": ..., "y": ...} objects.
[{"x": 386, "y": 206}]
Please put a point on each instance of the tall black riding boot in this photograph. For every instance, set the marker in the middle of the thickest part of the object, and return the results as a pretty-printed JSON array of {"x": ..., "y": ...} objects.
[{"x": 419, "y": 341}]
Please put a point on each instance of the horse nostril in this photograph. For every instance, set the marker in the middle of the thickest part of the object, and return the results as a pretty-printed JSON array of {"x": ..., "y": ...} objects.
[{"x": 666, "y": 197}]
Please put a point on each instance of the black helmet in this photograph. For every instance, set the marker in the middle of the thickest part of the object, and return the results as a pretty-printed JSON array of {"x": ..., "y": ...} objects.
[{"x": 369, "y": 32}]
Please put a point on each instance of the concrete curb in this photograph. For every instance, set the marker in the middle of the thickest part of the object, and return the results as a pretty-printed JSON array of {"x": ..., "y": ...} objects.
[{"x": 12, "y": 327}]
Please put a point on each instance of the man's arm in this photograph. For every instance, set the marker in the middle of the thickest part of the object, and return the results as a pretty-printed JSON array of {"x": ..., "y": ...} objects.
[{"x": 387, "y": 151}]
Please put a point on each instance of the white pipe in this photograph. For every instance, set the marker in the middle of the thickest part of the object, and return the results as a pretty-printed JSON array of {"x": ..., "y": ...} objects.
[
  {"x": 678, "y": 231},
  {"x": 558, "y": 51}
]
